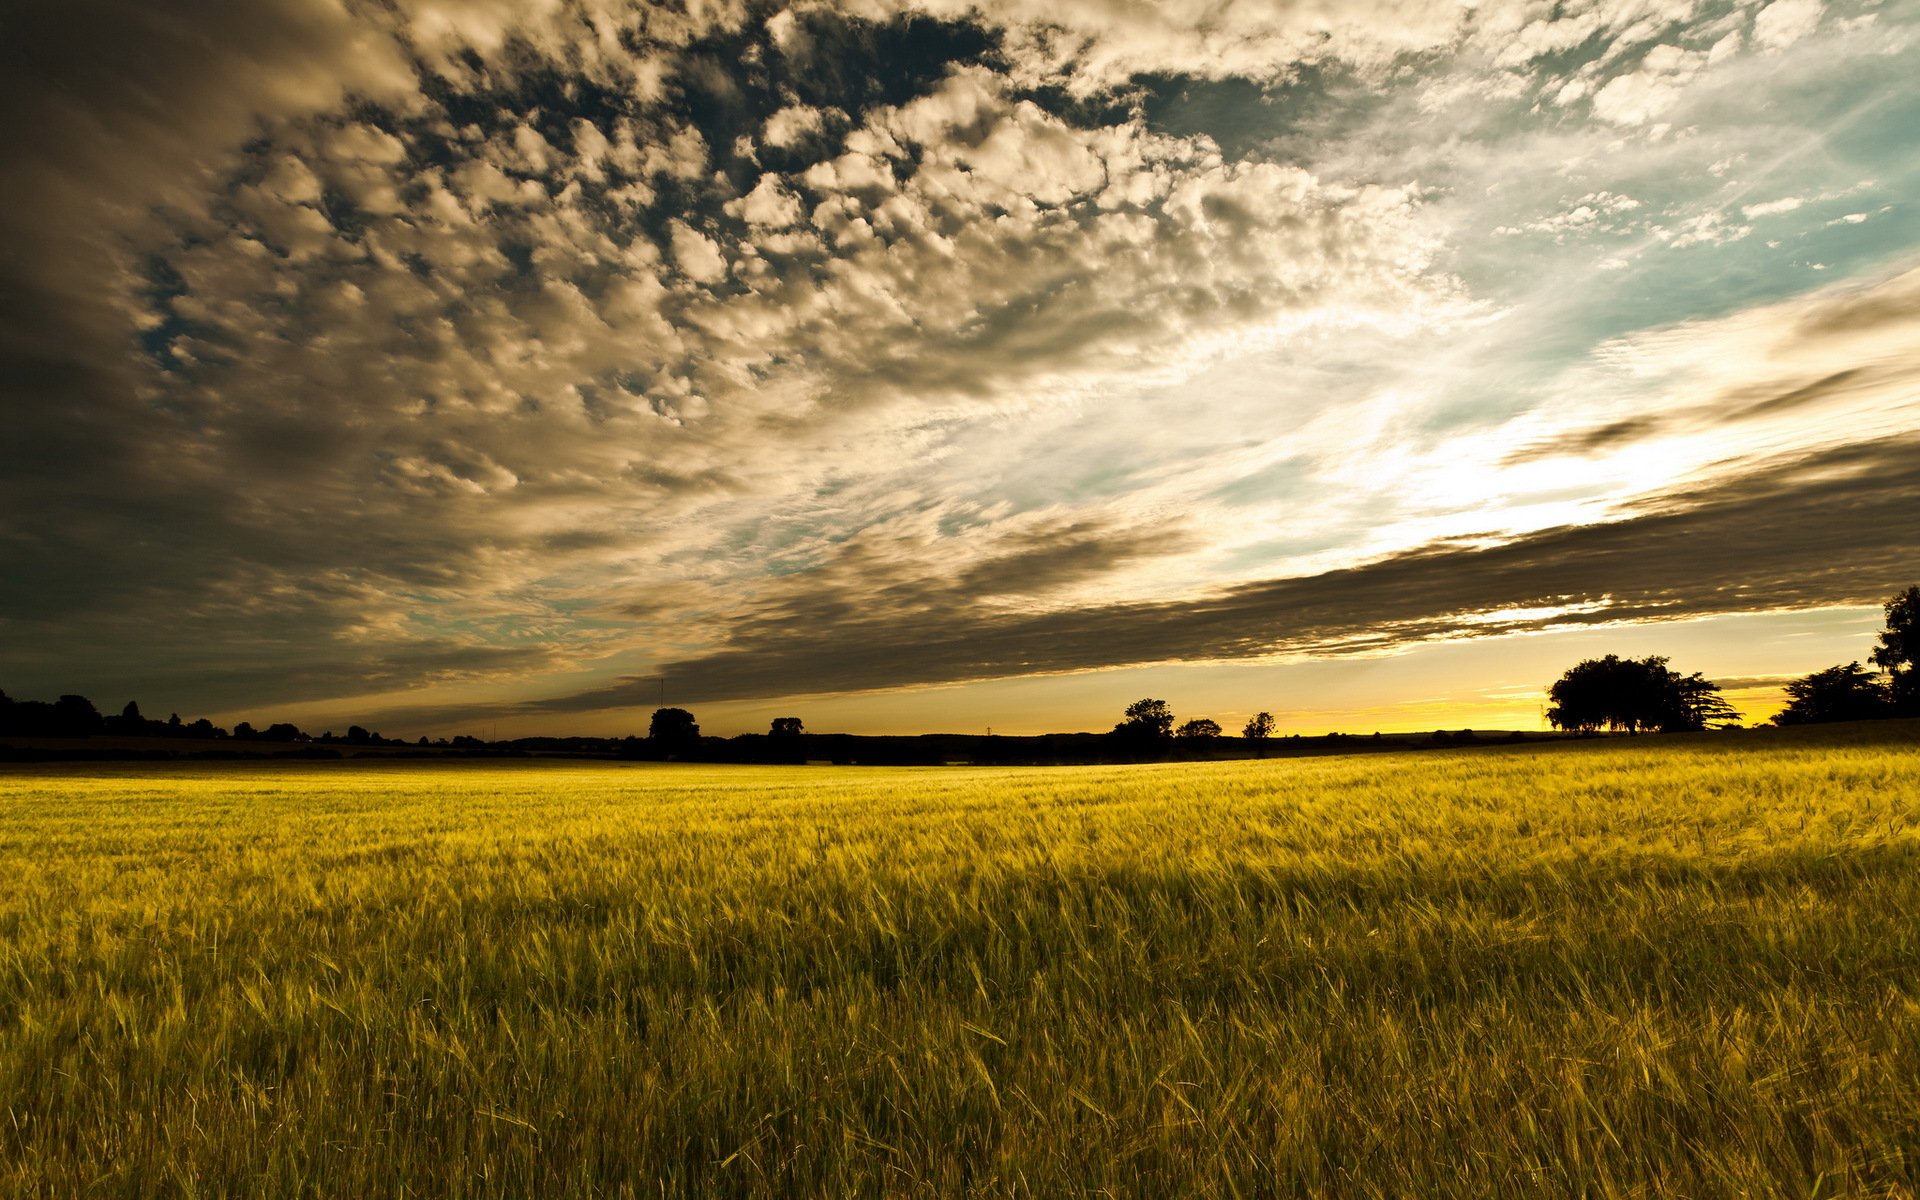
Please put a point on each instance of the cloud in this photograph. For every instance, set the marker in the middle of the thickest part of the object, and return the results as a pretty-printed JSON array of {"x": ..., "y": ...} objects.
[
  {"x": 1772, "y": 208},
  {"x": 398, "y": 349},
  {"x": 697, "y": 254},
  {"x": 1652, "y": 90},
  {"x": 1829, "y": 529},
  {"x": 793, "y": 125},
  {"x": 1707, "y": 399},
  {"x": 1785, "y": 22},
  {"x": 1596, "y": 212},
  {"x": 480, "y": 339}
]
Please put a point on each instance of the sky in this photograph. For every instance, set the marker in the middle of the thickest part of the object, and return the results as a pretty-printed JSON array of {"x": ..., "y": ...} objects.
[{"x": 475, "y": 366}]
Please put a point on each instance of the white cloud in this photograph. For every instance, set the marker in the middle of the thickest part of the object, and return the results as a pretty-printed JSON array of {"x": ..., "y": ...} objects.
[
  {"x": 697, "y": 254},
  {"x": 1596, "y": 212},
  {"x": 1705, "y": 229},
  {"x": 771, "y": 204},
  {"x": 1651, "y": 90},
  {"x": 1785, "y": 22},
  {"x": 792, "y": 124},
  {"x": 1772, "y": 208}
]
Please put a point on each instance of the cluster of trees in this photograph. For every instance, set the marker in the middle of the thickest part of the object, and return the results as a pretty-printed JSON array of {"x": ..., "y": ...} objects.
[
  {"x": 76, "y": 717},
  {"x": 73, "y": 716},
  {"x": 1149, "y": 723},
  {"x": 1850, "y": 692},
  {"x": 1636, "y": 695},
  {"x": 1639, "y": 695},
  {"x": 673, "y": 733}
]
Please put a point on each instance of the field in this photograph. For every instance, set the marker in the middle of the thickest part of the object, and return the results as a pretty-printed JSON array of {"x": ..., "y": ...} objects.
[{"x": 1659, "y": 966}]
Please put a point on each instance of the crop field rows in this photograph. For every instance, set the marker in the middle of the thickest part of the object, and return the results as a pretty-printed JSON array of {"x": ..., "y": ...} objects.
[{"x": 1657, "y": 966}]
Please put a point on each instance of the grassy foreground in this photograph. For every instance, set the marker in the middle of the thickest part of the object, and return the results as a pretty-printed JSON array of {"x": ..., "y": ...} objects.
[{"x": 1659, "y": 967}]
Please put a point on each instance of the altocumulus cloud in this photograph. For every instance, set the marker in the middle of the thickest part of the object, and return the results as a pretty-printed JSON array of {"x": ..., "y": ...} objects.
[{"x": 357, "y": 349}]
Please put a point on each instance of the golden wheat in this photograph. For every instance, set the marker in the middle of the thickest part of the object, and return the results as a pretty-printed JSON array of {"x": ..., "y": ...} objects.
[{"x": 1685, "y": 967}]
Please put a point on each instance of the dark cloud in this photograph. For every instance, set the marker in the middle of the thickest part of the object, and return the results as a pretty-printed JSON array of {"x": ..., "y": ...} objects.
[
  {"x": 1592, "y": 441},
  {"x": 333, "y": 328},
  {"x": 1040, "y": 561},
  {"x": 1750, "y": 403},
  {"x": 1839, "y": 383},
  {"x": 1744, "y": 683},
  {"x": 1830, "y": 529}
]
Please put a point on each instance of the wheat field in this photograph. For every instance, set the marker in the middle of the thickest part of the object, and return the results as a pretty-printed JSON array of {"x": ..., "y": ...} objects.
[{"x": 1645, "y": 967}]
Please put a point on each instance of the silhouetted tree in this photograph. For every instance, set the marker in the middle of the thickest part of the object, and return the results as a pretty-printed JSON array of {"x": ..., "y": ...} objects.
[
  {"x": 1602, "y": 693},
  {"x": 77, "y": 717},
  {"x": 1845, "y": 693},
  {"x": 673, "y": 731},
  {"x": 27, "y": 718},
  {"x": 1634, "y": 695},
  {"x": 1146, "y": 729},
  {"x": 284, "y": 731},
  {"x": 1699, "y": 705},
  {"x": 1898, "y": 653},
  {"x": 786, "y": 727},
  {"x": 245, "y": 731},
  {"x": 129, "y": 723},
  {"x": 1258, "y": 729},
  {"x": 1149, "y": 720},
  {"x": 1200, "y": 729}
]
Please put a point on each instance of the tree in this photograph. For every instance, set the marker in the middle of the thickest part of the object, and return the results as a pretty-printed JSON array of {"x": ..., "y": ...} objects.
[
  {"x": 1898, "y": 653},
  {"x": 1148, "y": 720},
  {"x": 673, "y": 731},
  {"x": 1634, "y": 695},
  {"x": 1258, "y": 729},
  {"x": 1602, "y": 693},
  {"x": 75, "y": 716},
  {"x": 1700, "y": 705},
  {"x": 785, "y": 741},
  {"x": 1845, "y": 693},
  {"x": 129, "y": 723},
  {"x": 1145, "y": 730},
  {"x": 1200, "y": 729}
]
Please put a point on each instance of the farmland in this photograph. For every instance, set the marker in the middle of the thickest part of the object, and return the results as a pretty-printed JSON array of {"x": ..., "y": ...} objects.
[{"x": 1655, "y": 966}]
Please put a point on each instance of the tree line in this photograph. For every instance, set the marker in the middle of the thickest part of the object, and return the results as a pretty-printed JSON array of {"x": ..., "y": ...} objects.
[
  {"x": 74, "y": 716},
  {"x": 1850, "y": 692},
  {"x": 1620, "y": 694},
  {"x": 1645, "y": 695}
]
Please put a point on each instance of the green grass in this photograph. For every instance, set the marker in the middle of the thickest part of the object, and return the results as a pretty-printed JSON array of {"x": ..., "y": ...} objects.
[{"x": 1685, "y": 967}]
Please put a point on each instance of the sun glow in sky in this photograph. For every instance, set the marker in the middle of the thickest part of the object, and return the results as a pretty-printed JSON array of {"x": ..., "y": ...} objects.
[{"x": 453, "y": 364}]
